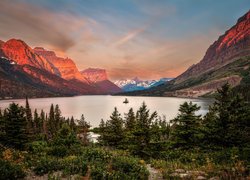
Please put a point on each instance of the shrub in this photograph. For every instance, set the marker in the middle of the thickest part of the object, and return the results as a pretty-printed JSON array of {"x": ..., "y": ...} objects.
[
  {"x": 130, "y": 168},
  {"x": 95, "y": 154},
  {"x": 38, "y": 146},
  {"x": 58, "y": 151},
  {"x": 45, "y": 165},
  {"x": 74, "y": 165},
  {"x": 10, "y": 171}
]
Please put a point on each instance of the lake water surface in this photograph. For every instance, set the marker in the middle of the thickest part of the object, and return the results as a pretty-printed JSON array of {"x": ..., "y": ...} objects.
[{"x": 96, "y": 108}]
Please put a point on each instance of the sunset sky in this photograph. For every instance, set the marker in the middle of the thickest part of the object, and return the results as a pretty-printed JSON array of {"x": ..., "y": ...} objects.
[{"x": 148, "y": 39}]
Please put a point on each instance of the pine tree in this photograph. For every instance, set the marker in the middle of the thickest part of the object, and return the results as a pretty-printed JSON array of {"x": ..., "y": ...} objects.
[
  {"x": 72, "y": 124},
  {"x": 186, "y": 126},
  {"x": 2, "y": 127},
  {"x": 28, "y": 113},
  {"x": 16, "y": 127},
  {"x": 83, "y": 130},
  {"x": 130, "y": 120},
  {"x": 36, "y": 122},
  {"x": 114, "y": 135},
  {"x": 142, "y": 132},
  {"x": 227, "y": 122},
  {"x": 102, "y": 128},
  {"x": 58, "y": 118},
  {"x": 51, "y": 125}
]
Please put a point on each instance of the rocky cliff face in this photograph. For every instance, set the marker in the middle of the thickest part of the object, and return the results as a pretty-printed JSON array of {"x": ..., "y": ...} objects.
[
  {"x": 22, "y": 54},
  {"x": 94, "y": 74},
  {"x": 39, "y": 72},
  {"x": 66, "y": 67},
  {"x": 99, "y": 78},
  {"x": 233, "y": 44}
]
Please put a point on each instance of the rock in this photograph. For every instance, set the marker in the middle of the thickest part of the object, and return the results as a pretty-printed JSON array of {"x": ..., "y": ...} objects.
[
  {"x": 66, "y": 68},
  {"x": 180, "y": 171},
  {"x": 174, "y": 174},
  {"x": 184, "y": 175},
  {"x": 22, "y": 54},
  {"x": 95, "y": 74},
  {"x": 214, "y": 178},
  {"x": 154, "y": 174},
  {"x": 201, "y": 178}
]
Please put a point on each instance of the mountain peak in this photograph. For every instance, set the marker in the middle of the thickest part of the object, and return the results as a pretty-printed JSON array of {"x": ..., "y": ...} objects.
[
  {"x": 244, "y": 17},
  {"x": 95, "y": 74},
  {"x": 18, "y": 51}
]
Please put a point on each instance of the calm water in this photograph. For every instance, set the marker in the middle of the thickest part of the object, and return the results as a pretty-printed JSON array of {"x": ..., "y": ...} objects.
[{"x": 96, "y": 108}]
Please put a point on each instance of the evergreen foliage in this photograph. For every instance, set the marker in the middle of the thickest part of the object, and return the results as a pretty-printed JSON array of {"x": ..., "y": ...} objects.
[
  {"x": 15, "y": 127},
  {"x": 114, "y": 130},
  {"x": 186, "y": 126}
]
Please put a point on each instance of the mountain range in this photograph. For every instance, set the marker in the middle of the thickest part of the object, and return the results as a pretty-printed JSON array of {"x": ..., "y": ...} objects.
[
  {"x": 37, "y": 72},
  {"x": 136, "y": 84},
  {"x": 40, "y": 73},
  {"x": 226, "y": 60}
]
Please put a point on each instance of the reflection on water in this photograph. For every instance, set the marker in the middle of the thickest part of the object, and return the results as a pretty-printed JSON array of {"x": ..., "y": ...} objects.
[{"x": 96, "y": 108}]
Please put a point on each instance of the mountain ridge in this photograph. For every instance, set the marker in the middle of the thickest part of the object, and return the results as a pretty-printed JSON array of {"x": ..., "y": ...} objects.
[{"x": 226, "y": 60}]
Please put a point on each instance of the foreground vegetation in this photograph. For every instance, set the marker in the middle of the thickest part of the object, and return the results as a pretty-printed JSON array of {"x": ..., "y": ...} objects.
[{"x": 189, "y": 146}]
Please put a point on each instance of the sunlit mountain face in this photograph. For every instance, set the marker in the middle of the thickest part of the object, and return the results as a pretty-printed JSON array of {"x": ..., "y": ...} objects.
[{"x": 145, "y": 39}]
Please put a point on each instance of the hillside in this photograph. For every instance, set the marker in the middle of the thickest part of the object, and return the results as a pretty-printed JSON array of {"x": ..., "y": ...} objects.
[
  {"x": 40, "y": 73},
  {"x": 226, "y": 60}
]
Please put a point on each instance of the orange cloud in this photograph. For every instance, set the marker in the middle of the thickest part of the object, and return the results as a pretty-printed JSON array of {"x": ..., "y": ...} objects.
[{"x": 128, "y": 37}]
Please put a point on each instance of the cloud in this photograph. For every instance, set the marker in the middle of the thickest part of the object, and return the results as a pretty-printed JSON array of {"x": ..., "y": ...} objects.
[
  {"x": 40, "y": 26},
  {"x": 128, "y": 37}
]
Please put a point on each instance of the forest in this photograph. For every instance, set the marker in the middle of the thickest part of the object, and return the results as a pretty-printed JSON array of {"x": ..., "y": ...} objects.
[{"x": 190, "y": 146}]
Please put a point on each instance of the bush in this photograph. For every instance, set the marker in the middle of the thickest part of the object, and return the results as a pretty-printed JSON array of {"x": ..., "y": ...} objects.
[
  {"x": 10, "y": 171},
  {"x": 74, "y": 165},
  {"x": 129, "y": 168},
  {"x": 45, "y": 165},
  {"x": 98, "y": 172},
  {"x": 58, "y": 151},
  {"x": 38, "y": 146},
  {"x": 95, "y": 154}
]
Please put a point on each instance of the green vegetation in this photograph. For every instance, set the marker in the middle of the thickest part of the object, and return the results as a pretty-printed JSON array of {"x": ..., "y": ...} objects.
[{"x": 216, "y": 145}]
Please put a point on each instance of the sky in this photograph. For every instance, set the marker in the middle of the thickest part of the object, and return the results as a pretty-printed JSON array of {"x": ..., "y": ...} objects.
[{"x": 149, "y": 39}]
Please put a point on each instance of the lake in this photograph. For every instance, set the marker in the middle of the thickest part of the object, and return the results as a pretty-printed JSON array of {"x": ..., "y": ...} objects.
[{"x": 96, "y": 108}]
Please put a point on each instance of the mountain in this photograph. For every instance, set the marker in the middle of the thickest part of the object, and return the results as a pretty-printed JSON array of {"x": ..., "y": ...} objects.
[
  {"x": 136, "y": 84},
  {"x": 22, "y": 54},
  {"x": 226, "y": 60},
  {"x": 99, "y": 78},
  {"x": 234, "y": 43},
  {"x": 66, "y": 67},
  {"x": 18, "y": 81},
  {"x": 40, "y": 73}
]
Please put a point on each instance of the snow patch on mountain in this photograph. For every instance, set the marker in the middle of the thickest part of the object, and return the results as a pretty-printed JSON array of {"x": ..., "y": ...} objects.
[{"x": 137, "y": 84}]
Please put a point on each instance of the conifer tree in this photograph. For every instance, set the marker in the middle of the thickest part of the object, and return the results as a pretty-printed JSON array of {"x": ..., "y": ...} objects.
[
  {"x": 2, "y": 127},
  {"x": 58, "y": 118},
  {"x": 16, "y": 126},
  {"x": 28, "y": 113},
  {"x": 43, "y": 123},
  {"x": 114, "y": 135},
  {"x": 51, "y": 122},
  {"x": 102, "y": 128},
  {"x": 72, "y": 124},
  {"x": 143, "y": 131},
  {"x": 186, "y": 126},
  {"x": 83, "y": 130},
  {"x": 227, "y": 122},
  {"x": 130, "y": 120}
]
